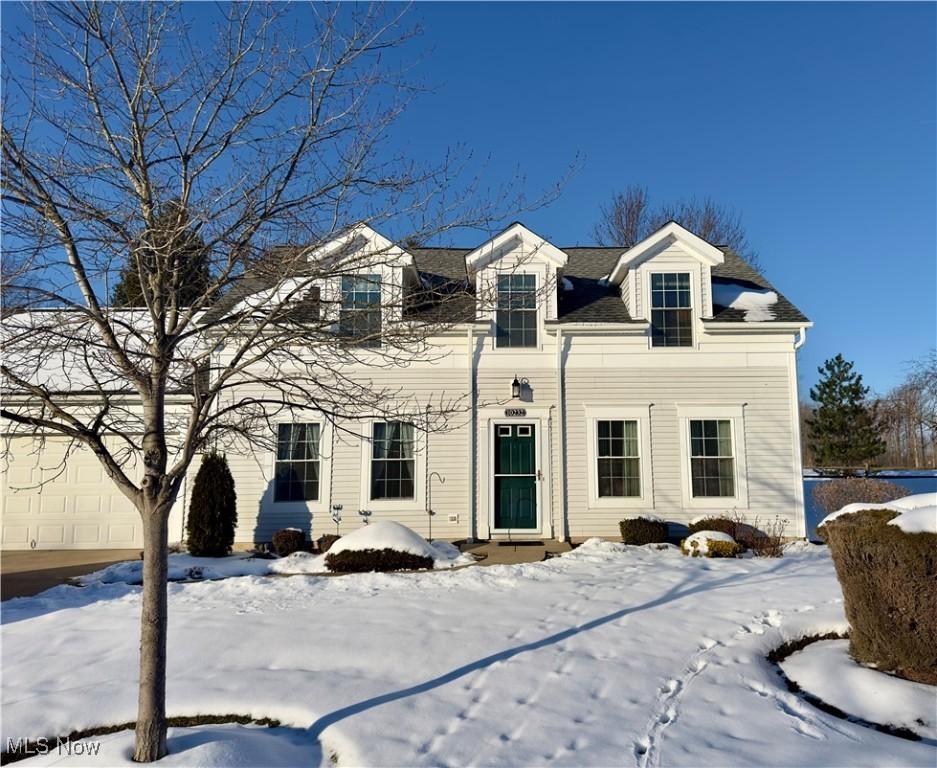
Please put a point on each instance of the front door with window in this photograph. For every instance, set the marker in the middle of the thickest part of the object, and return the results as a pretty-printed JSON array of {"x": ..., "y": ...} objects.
[{"x": 515, "y": 477}]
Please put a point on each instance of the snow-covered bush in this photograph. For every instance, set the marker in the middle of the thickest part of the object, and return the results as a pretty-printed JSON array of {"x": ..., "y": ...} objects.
[
  {"x": 324, "y": 543},
  {"x": 382, "y": 546},
  {"x": 213, "y": 509},
  {"x": 361, "y": 560},
  {"x": 643, "y": 529},
  {"x": 831, "y": 495},
  {"x": 886, "y": 562},
  {"x": 286, "y": 541},
  {"x": 710, "y": 544}
]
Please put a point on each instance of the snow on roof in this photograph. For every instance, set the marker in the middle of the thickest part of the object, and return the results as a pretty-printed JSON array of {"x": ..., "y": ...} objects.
[
  {"x": 916, "y": 514},
  {"x": 62, "y": 350},
  {"x": 757, "y": 303}
]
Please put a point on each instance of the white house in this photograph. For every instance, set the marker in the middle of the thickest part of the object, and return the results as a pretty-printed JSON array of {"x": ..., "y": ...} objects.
[{"x": 597, "y": 382}]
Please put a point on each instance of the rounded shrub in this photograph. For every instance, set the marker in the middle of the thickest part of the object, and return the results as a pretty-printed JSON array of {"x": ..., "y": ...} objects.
[
  {"x": 325, "y": 541},
  {"x": 723, "y": 524},
  {"x": 286, "y": 541},
  {"x": 831, "y": 495},
  {"x": 889, "y": 583},
  {"x": 711, "y": 544},
  {"x": 212, "y": 509},
  {"x": 362, "y": 560},
  {"x": 643, "y": 530}
]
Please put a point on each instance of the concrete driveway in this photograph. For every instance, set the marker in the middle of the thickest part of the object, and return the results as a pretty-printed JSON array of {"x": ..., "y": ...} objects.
[{"x": 28, "y": 573}]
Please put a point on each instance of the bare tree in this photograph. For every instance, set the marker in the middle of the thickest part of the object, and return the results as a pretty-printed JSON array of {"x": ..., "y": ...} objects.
[
  {"x": 910, "y": 416},
  {"x": 262, "y": 136},
  {"x": 629, "y": 218}
]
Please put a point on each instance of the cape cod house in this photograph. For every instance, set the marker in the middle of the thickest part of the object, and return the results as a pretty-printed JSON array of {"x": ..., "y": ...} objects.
[{"x": 598, "y": 383}]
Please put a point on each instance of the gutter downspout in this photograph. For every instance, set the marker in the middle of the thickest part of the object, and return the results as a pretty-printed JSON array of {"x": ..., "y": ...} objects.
[
  {"x": 803, "y": 338},
  {"x": 795, "y": 429},
  {"x": 473, "y": 469},
  {"x": 561, "y": 434}
]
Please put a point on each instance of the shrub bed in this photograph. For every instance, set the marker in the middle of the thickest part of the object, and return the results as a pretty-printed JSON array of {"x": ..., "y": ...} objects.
[
  {"x": 889, "y": 582},
  {"x": 831, "y": 495},
  {"x": 363, "y": 560},
  {"x": 642, "y": 530},
  {"x": 286, "y": 541}
]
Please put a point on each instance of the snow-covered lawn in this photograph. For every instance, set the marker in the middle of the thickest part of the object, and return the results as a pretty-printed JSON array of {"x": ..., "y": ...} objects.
[{"x": 610, "y": 655}]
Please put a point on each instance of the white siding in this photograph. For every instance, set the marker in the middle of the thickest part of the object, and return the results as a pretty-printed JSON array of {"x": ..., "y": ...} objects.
[{"x": 768, "y": 435}]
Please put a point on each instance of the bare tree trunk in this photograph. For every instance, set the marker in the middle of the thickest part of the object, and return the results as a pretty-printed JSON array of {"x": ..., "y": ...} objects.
[{"x": 151, "y": 710}]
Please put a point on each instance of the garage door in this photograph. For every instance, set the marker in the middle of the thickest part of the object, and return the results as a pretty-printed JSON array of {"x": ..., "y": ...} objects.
[{"x": 53, "y": 502}]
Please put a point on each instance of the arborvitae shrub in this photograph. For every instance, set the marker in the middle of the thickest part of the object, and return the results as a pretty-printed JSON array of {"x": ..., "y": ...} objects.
[
  {"x": 358, "y": 561},
  {"x": 638, "y": 530},
  {"x": 286, "y": 541},
  {"x": 723, "y": 524},
  {"x": 889, "y": 582},
  {"x": 831, "y": 495},
  {"x": 326, "y": 540},
  {"x": 212, "y": 509}
]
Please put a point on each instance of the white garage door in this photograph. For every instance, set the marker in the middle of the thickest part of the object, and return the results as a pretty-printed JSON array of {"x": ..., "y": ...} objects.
[{"x": 51, "y": 504}]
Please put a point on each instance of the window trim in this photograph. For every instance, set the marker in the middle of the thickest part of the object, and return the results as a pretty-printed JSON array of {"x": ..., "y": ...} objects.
[
  {"x": 696, "y": 301},
  {"x": 374, "y": 343},
  {"x": 325, "y": 469},
  {"x": 691, "y": 309},
  {"x": 536, "y": 311},
  {"x": 641, "y": 413},
  {"x": 418, "y": 502},
  {"x": 735, "y": 414}
]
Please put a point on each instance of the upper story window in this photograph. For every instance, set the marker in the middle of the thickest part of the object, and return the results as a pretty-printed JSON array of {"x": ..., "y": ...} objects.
[
  {"x": 712, "y": 461},
  {"x": 618, "y": 468},
  {"x": 516, "y": 321},
  {"x": 671, "y": 310},
  {"x": 393, "y": 465},
  {"x": 297, "y": 463},
  {"x": 360, "y": 315}
]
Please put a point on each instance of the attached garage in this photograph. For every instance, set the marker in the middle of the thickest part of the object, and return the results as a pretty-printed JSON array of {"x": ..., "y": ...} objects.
[{"x": 54, "y": 501}]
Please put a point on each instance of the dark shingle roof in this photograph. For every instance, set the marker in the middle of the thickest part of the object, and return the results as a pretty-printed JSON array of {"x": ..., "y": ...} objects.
[
  {"x": 736, "y": 270},
  {"x": 449, "y": 294}
]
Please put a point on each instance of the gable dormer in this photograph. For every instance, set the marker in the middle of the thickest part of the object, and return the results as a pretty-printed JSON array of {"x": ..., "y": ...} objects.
[
  {"x": 667, "y": 277},
  {"x": 516, "y": 269}
]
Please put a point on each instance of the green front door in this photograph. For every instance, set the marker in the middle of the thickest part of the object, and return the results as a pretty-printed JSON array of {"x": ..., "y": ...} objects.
[{"x": 515, "y": 477}]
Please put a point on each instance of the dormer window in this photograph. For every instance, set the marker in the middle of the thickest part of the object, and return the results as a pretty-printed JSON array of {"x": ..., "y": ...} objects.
[
  {"x": 360, "y": 314},
  {"x": 671, "y": 310},
  {"x": 516, "y": 321}
]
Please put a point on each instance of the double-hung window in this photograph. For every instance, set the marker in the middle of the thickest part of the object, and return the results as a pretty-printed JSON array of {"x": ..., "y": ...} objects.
[
  {"x": 712, "y": 459},
  {"x": 296, "y": 475},
  {"x": 516, "y": 319},
  {"x": 393, "y": 466},
  {"x": 671, "y": 310},
  {"x": 360, "y": 314},
  {"x": 618, "y": 462}
]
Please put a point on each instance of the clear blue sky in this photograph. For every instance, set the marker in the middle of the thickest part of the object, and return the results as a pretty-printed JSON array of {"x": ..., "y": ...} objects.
[{"x": 818, "y": 122}]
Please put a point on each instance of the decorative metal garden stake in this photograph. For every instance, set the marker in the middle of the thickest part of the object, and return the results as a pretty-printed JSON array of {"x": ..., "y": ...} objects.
[{"x": 337, "y": 518}]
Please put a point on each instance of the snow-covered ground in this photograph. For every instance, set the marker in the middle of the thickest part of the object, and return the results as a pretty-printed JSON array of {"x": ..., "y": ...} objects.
[
  {"x": 825, "y": 670},
  {"x": 610, "y": 655},
  {"x": 182, "y": 567}
]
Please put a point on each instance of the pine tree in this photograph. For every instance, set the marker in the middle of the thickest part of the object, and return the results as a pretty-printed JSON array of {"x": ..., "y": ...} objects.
[
  {"x": 171, "y": 245},
  {"x": 844, "y": 430},
  {"x": 213, "y": 509}
]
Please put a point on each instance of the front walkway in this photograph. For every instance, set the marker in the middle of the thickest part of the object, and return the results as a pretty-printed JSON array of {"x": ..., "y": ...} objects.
[
  {"x": 25, "y": 573},
  {"x": 514, "y": 552}
]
